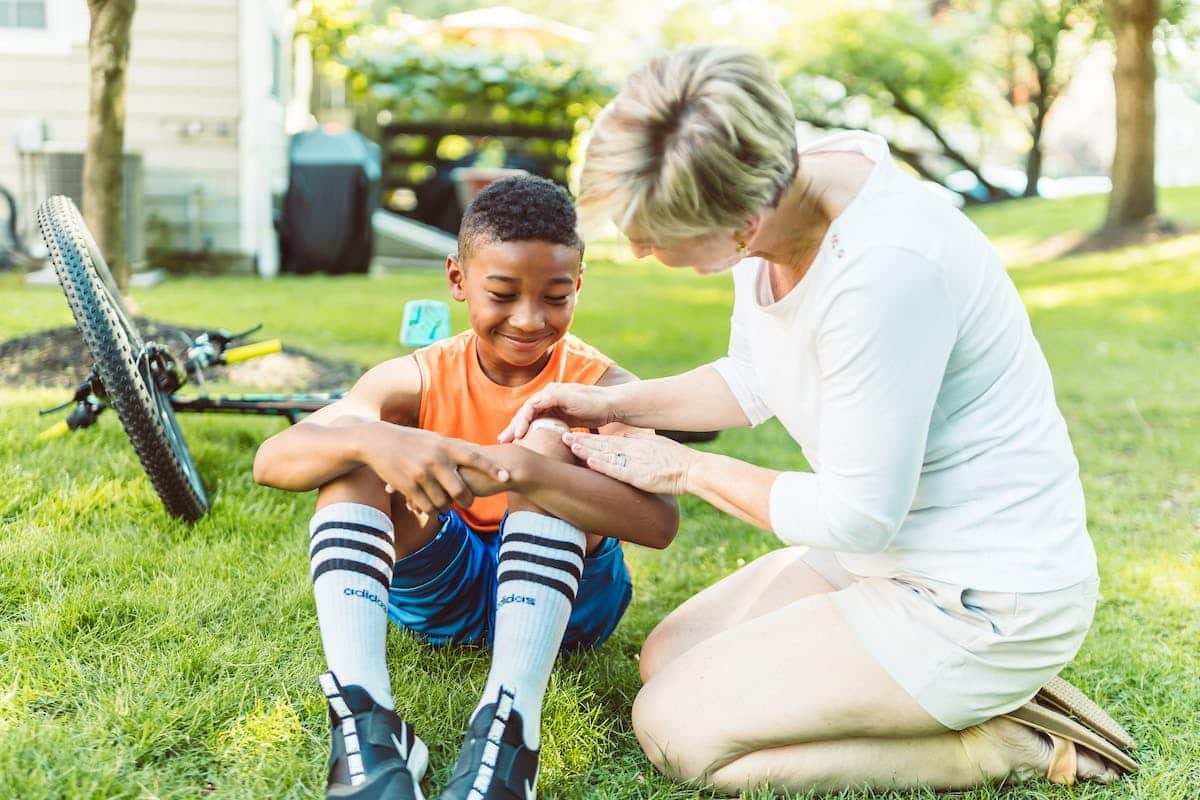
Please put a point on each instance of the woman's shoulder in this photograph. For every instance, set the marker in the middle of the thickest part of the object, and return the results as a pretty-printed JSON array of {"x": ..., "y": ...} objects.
[{"x": 904, "y": 215}]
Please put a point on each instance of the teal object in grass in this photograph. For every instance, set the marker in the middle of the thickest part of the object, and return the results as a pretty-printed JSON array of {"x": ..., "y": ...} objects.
[{"x": 425, "y": 322}]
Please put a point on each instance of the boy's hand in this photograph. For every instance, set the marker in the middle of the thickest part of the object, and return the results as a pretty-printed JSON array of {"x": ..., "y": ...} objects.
[
  {"x": 424, "y": 467},
  {"x": 481, "y": 484},
  {"x": 513, "y": 460},
  {"x": 579, "y": 405}
]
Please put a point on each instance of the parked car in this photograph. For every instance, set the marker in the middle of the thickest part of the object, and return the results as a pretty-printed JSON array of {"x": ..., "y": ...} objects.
[{"x": 1012, "y": 181}]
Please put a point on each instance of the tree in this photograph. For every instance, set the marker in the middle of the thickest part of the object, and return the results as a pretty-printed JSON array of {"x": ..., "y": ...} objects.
[
  {"x": 104, "y": 158},
  {"x": 1036, "y": 45},
  {"x": 1133, "y": 199},
  {"x": 329, "y": 25},
  {"x": 898, "y": 71}
]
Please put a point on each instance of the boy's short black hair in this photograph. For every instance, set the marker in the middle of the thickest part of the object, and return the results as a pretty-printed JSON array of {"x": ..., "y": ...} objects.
[{"x": 519, "y": 209}]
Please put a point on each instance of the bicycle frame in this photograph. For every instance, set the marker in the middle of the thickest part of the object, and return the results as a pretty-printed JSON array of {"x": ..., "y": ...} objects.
[{"x": 271, "y": 405}]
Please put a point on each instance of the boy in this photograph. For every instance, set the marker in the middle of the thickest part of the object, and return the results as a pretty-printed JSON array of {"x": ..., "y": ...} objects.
[{"x": 527, "y": 572}]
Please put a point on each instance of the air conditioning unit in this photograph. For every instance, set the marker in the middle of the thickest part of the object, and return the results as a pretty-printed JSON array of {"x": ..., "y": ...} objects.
[{"x": 62, "y": 173}]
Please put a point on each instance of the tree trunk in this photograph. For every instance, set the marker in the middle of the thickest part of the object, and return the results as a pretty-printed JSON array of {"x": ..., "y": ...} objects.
[
  {"x": 104, "y": 159},
  {"x": 1033, "y": 168},
  {"x": 1133, "y": 195},
  {"x": 1042, "y": 100}
]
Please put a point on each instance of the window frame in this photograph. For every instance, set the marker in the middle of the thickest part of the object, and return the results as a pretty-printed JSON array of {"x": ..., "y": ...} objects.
[{"x": 67, "y": 23}]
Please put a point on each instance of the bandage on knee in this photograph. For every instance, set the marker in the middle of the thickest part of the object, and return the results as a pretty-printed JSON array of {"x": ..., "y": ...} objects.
[{"x": 549, "y": 423}]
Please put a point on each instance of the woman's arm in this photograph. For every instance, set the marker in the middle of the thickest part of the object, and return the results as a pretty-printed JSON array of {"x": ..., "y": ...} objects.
[
  {"x": 658, "y": 464},
  {"x": 698, "y": 400}
]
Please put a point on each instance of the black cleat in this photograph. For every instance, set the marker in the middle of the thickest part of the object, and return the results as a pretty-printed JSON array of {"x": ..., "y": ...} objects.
[
  {"x": 375, "y": 755},
  {"x": 494, "y": 763}
]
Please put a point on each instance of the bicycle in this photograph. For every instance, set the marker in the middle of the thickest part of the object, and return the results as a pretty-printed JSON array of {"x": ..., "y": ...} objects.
[{"x": 139, "y": 378}]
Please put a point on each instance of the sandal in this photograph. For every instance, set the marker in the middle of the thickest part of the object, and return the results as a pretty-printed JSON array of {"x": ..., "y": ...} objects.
[{"x": 1073, "y": 720}]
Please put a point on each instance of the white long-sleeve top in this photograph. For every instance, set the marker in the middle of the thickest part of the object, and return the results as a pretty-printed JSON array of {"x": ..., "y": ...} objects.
[{"x": 905, "y": 367}]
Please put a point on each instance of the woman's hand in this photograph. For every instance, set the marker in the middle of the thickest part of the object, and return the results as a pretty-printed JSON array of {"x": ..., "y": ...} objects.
[
  {"x": 579, "y": 405},
  {"x": 651, "y": 463},
  {"x": 423, "y": 467}
]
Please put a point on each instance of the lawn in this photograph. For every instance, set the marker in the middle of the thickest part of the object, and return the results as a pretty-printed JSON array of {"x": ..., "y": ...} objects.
[{"x": 143, "y": 658}]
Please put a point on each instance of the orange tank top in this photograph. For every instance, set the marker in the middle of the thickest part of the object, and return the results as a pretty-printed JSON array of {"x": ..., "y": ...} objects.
[{"x": 459, "y": 400}]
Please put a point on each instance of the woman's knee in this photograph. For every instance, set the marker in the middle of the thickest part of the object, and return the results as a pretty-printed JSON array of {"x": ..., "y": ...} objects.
[
  {"x": 724, "y": 604},
  {"x": 677, "y": 740},
  {"x": 662, "y": 646}
]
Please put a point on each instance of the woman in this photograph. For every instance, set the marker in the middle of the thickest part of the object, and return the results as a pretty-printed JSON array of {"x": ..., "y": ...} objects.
[{"x": 938, "y": 569}]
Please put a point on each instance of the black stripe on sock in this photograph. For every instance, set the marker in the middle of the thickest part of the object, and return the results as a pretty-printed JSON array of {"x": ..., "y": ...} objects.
[
  {"x": 553, "y": 563},
  {"x": 529, "y": 538},
  {"x": 533, "y": 577},
  {"x": 353, "y": 544},
  {"x": 352, "y": 526},
  {"x": 351, "y": 566}
]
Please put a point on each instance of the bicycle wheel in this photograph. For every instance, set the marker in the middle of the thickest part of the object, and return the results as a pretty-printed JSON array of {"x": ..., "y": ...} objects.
[{"x": 109, "y": 333}]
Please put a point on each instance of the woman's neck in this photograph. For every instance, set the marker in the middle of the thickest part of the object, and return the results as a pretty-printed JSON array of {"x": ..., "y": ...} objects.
[{"x": 790, "y": 235}]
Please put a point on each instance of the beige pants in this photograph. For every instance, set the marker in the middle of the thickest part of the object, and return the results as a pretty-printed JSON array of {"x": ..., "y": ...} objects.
[{"x": 964, "y": 655}]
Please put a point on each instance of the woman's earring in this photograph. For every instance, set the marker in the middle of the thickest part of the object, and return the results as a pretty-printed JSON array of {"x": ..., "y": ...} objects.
[{"x": 741, "y": 248}]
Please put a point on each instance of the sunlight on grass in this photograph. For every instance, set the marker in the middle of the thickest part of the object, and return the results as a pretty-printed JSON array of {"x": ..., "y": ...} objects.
[
  {"x": 9, "y": 713},
  {"x": 1171, "y": 267},
  {"x": 255, "y": 736},
  {"x": 1020, "y": 230}
]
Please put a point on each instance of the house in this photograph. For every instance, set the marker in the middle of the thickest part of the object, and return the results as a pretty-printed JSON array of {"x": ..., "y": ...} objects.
[{"x": 206, "y": 97}]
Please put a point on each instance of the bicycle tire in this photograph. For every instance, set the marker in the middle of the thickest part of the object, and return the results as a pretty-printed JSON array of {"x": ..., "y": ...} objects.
[{"x": 109, "y": 333}]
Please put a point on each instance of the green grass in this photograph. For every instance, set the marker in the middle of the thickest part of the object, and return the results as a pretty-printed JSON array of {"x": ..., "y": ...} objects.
[{"x": 142, "y": 658}]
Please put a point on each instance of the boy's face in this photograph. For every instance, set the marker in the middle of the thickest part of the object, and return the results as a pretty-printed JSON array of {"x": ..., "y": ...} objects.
[{"x": 520, "y": 296}]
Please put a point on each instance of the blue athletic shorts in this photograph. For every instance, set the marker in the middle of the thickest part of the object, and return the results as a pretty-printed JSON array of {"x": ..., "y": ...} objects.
[{"x": 445, "y": 592}]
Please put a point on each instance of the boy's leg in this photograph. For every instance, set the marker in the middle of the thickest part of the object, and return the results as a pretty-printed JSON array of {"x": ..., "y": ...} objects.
[
  {"x": 354, "y": 541},
  {"x": 541, "y": 561},
  {"x": 374, "y": 754}
]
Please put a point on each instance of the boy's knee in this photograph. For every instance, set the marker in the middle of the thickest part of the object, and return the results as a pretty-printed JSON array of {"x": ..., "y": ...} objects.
[
  {"x": 360, "y": 485},
  {"x": 545, "y": 438}
]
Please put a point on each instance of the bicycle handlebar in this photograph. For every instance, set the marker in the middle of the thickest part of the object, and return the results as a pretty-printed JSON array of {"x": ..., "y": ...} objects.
[{"x": 254, "y": 350}]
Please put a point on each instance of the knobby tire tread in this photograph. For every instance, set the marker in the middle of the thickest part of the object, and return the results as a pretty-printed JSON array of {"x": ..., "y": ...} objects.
[{"x": 115, "y": 344}]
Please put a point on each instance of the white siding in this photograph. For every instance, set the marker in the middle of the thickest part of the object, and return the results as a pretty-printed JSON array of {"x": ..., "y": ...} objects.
[{"x": 182, "y": 108}]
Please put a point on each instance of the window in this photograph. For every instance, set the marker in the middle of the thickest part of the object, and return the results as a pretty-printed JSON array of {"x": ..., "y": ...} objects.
[
  {"x": 26, "y": 14},
  {"x": 43, "y": 27}
]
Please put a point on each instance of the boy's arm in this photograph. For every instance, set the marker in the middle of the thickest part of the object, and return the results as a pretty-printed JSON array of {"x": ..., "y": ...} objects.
[
  {"x": 594, "y": 502},
  {"x": 369, "y": 427}
]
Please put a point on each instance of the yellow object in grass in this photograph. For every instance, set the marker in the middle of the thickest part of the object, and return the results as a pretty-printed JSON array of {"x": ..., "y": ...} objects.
[
  {"x": 59, "y": 428},
  {"x": 249, "y": 351}
]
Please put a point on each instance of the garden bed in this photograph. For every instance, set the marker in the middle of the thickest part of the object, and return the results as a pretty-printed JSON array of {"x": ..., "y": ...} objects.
[{"x": 58, "y": 357}]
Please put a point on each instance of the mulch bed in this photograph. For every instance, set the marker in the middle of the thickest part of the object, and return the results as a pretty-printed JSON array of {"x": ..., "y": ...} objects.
[{"x": 58, "y": 358}]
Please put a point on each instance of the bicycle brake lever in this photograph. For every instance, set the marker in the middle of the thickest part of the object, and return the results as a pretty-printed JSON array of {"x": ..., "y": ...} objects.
[
  {"x": 232, "y": 337},
  {"x": 43, "y": 412},
  {"x": 81, "y": 392}
]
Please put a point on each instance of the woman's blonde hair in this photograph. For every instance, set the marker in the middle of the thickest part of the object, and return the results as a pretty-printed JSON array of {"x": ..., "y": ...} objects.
[{"x": 697, "y": 141}]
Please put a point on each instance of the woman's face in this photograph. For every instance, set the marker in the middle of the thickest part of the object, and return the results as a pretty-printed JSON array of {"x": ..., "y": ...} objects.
[{"x": 707, "y": 254}]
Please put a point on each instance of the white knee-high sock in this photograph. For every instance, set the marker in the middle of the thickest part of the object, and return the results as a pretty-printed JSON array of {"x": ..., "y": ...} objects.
[
  {"x": 352, "y": 551},
  {"x": 541, "y": 559}
]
